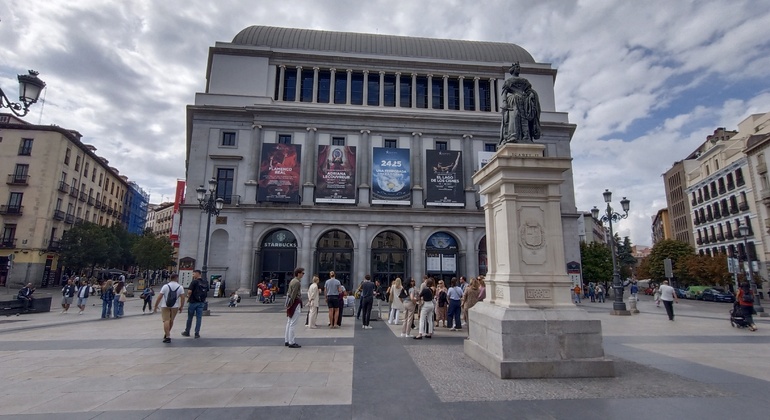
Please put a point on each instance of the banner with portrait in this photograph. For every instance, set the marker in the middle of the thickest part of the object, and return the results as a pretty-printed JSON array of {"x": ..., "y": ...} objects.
[
  {"x": 445, "y": 178},
  {"x": 391, "y": 176},
  {"x": 336, "y": 175},
  {"x": 279, "y": 173}
]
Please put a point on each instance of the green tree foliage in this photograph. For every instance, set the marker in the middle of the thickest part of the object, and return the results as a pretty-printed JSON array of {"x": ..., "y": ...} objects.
[
  {"x": 152, "y": 252},
  {"x": 86, "y": 245},
  {"x": 626, "y": 260},
  {"x": 678, "y": 252},
  {"x": 596, "y": 259},
  {"x": 122, "y": 244},
  {"x": 706, "y": 270}
]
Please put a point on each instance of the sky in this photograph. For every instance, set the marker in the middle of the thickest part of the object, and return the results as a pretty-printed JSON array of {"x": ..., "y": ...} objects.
[{"x": 644, "y": 81}]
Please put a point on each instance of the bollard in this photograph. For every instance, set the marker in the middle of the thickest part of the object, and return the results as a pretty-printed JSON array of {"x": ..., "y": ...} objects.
[{"x": 632, "y": 305}]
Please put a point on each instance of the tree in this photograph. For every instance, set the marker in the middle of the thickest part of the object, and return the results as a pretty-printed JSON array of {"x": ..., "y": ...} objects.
[
  {"x": 626, "y": 260},
  {"x": 596, "y": 259},
  {"x": 152, "y": 252},
  {"x": 122, "y": 244},
  {"x": 86, "y": 245},
  {"x": 707, "y": 270},
  {"x": 678, "y": 252}
]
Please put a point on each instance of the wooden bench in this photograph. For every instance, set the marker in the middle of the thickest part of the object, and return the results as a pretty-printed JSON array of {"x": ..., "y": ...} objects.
[{"x": 16, "y": 307}]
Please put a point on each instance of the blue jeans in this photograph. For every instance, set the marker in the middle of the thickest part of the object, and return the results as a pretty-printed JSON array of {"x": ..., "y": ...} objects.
[
  {"x": 196, "y": 309},
  {"x": 117, "y": 306},
  {"x": 106, "y": 308},
  {"x": 453, "y": 314}
]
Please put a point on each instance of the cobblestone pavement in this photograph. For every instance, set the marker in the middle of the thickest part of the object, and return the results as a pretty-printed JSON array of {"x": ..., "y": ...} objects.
[{"x": 70, "y": 366}]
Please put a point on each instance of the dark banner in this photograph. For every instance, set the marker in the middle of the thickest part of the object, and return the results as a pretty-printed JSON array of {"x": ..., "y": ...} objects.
[
  {"x": 336, "y": 175},
  {"x": 445, "y": 178},
  {"x": 391, "y": 176},
  {"x": 279, "y": 173}
]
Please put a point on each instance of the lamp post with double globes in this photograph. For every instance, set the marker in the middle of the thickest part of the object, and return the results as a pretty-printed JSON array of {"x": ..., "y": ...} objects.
[
  {"x": 745, "y": 231},
  {"x": 30, "y": 87},
  {"x": 210, "y": 205},
  {"x": 618, "y": 306}
]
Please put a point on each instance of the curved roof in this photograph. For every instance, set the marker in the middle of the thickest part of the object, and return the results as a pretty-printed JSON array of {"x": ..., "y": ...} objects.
[{"x": 390, "y": 45}]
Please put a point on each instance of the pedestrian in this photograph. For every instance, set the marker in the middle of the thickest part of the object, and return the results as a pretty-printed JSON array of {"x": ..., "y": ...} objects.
[
  {"x": 426, "y": 311},
  {"x": 312, "y": 303},
  {"x": 357, "y": 296},
  {"x": 746, "y": 302},
  {"x": 482, "y": 288},
  {"x": 591, "y": 292},
  {"x": 26, "y": 298},
  {"x": 293, "y": 307},
  {"x": 576, "y": 291},
  {"x": 196, "y": 296},
  {"x": 68, "y": 295},
  {"x": 396, "y": 302},
  {"x": 120, "y": 299},
  {"x": 108, "y": 296},
  {"x": 146, "y": 297},
  {"x": 84, "y": 292},
  {"x": 634, "y": 290},
  {"x": 470, "y": 299},
  {"x": 171, "y": 302},
  {"x": 455, "y": 295},
  {"x": 442, "y": 303},
  {"x": 656, "y": 295},
  {"x": 367, "y": 300},
  {"x": 600, "y": 293},
  {"x": 463, "y": 283},
  {"x": 234, "y": 299},
  {"x": 409, "y": 306},
  {"x": 668, "y": 296},
  {"x": 332, "y": 292}
]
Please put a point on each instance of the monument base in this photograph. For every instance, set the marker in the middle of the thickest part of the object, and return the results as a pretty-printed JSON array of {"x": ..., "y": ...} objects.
[{"x": 537, "y": 343}]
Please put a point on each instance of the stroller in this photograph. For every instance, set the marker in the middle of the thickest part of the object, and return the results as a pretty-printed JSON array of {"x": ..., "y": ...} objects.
[{"x": 737, "y": 318}]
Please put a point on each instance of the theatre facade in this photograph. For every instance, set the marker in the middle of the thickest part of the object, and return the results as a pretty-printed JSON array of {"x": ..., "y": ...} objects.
[{"x": 353, "y": 153}]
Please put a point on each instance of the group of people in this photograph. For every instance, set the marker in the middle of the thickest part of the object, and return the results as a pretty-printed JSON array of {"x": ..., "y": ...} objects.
[
  {"x": 171, "y": 301},
  {"x": 596, "y": 292},
  {"x": 267, "y": 291}
]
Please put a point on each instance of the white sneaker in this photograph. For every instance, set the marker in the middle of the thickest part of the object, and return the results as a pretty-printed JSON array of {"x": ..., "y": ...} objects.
[
  {"x": 408, "y": 336},
  {"x": 402, "y": 335},
  {"x": 80, "y": 313}
]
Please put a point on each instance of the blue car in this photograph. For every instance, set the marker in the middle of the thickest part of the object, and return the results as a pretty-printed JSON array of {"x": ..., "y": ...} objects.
[
  {"x": 681, "y": 293},
  {"x": 717, "y": 296}
]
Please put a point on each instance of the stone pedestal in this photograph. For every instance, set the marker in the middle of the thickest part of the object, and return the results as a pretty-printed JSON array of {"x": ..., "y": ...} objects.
[{"x": 530, "y": 328}]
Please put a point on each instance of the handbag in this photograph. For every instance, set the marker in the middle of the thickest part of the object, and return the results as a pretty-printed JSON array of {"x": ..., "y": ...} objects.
[{"x": 122, "y": 298}]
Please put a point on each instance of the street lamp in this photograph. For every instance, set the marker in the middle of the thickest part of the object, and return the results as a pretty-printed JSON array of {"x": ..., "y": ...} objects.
[
  {"x": 210, "y": 205},
  {"x": 618, "y": 306},
  {"x": 744, "y": 231},
  {"x": 30, "y": 87}
]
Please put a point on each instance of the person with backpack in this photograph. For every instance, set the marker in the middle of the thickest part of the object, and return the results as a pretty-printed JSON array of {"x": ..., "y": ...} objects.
[
  {"x": 171, "y": 302},
  {"x": 196, "y": 295},
  {"x": 146, "y": 297},
  {"x": 745, "y": 300}
]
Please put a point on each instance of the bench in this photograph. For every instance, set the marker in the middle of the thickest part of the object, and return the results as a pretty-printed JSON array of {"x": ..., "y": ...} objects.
[{"x": 16, "y": 307}]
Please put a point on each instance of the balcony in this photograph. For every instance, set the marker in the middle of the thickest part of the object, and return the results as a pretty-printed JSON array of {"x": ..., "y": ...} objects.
[
  {"x": 74, "y": 191},
  {"x": 700, "y": 200},
  {"x": 16, "y": 179},
  {"x": 740, "y": 182},
  {"x": 98, "y": 203},
  {"x": 699, "y": 241},
  {"x": 733, "y": 209},
  {"x": 70, "y": 218},
  {"x": 64, "y": 187},
  {"x": 729, "y": 234},
  {"x": 720, "y": 237},
  {"x": 83, "y": 196},
  {"x": 8, "y": 243},
  {"x": 54, "y": 245},
  {"x": 722, "y": 190},
  {"x": 743, "y": 206},
  {"x": 694, "y": 202},
  {"x": 231, "y": 200},
  {"x": 706, "y": 239},
  {"x": 78, "y": 220},
  {"x": 710, "y": 218},
  {"x": 109, "y": 211},
  {"x": 104, "y": 207},
  {"x": 90, "y": 201},
  {"x": 58, "y": 215},
  {"x": 761, "y": 167},
  {"x": 712, "y": 238},
  {"x": 11, "y": 210}
]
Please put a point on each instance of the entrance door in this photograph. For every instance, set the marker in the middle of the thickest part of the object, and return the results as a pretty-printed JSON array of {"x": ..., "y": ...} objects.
[
  {"x": 279, "y": 259},
  {"x": 335, "y": 253},
  {"x": 389, "y": 258}
]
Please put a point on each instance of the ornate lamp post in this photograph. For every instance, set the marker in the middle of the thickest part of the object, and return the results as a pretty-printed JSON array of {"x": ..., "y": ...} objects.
[
  {"x": 744, "y": 231},
  {"x": 29, "y": 92},
  {"x": 210, "y": 205},
  {"x": 618, "y": 306}
]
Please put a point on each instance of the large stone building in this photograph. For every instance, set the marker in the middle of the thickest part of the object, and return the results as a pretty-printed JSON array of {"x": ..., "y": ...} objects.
[
  {"x": 54, "y": 181},
  {"x": 661, "y": 226},
  {"x": 679, "y": 207},
  {"x": 756, "y": 130},
  {"x": 353, "y": 153}
]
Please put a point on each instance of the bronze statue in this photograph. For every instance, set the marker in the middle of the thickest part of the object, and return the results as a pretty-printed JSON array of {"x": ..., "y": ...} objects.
[{"x": 521, "y": 110}]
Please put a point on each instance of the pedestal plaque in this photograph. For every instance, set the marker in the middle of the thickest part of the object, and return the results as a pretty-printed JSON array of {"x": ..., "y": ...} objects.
[{"x": 530, "y": 328}]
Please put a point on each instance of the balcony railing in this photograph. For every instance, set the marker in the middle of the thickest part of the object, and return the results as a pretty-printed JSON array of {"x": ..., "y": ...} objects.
[
  {"x": 743, "y": 206},
  {"x": 16, "y": 179},
  {"x": 78, "y": 220},
  {"x": 90, "y": 201},
  {"x": 733, "y": 209},
  {"x": 706, "y": 239},
  {"x": 699, "y": 241},
  {"x": 694, "y": 202},
  {"x": 11, "y": 210},
  {"x": 109, "y": 211},
  {"x": 232, "y": 200},
  {"x": 64, "y": 187},
  {"x": 740, "y": 182},
  {"x": 83, "y": 196},
  {"x": 722, "y": 190},
  {"x": 104, "y": 207},
  {"x": 54, "y": 245},
  {"x": 98, "y": 203},
  {"x": 58, "y": 215},
  {"x": 8, "y": 243},
  {"x": 729, "y": 234},
  {"x": 74, "y": 191},
  {"x": 720, "y": 237},
  {"x": 70, "y": 218},
  {"x": 712, "y": 238}
]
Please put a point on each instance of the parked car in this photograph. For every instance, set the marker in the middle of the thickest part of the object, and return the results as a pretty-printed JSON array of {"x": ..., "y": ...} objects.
[
  {"x": 717, "y": 296},
  {"x": 694, "y": 292},
  {"x": 681, "y": 293}
]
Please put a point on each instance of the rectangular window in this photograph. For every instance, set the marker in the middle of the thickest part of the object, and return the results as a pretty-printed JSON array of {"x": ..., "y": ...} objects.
[
  {"x": 441, "y": 145},
  {"x": 25, "y": 148},
  {"x": 228, "y": 138},
  {"x": 9, "y": 236},
  {"x": 306, "y": 85},
  {"x": 20, "y": 173},
  {"x": 389, "y": 90},
  {"x": 405, "y": 91},
  {"x": 93, "y": 175},
  {"x": 338, "y": 141},
  {"x": 77, "y": 163},
  {"x": 422, "y": 92},
  {"x": 14, "y": 202},
  {"x": 340, "y": 87},
  {"x": 324, "y": 84},
  {"x": 391, "y": 143},
  {"x": 490, "y": 147},
  {"x": 438, "y": 93},
  {"x": 373, "y": 90},
  {"x": 85, "y": 170},
  {"x": 225, "y": 182},
  {"x": 284, "y": 139},
  {"x": 67, "y": 157},
  {"x": 357, "y": 88},
  {"x": 101, "y": 176},
  {"x": 485, "y": 103},
  {"x": 469, "y": 95},
  {"x": 289, "y": 84},
  {"x": 453, "y": 93}
]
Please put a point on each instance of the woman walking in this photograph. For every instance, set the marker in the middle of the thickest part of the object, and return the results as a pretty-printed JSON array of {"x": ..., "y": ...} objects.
[
  {"x": 442, "y": 302},
  {"x": 120, "y": 299},
  {"x": 108, "y": 295},
  {"x": 312, "y": 302},
  {"x": 426, "y": 311},
  {"x": 396, "y": 304},
  {"x": 409, "y": 305}
]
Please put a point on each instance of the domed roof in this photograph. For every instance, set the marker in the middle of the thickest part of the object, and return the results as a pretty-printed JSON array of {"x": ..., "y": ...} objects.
[{"x": 390, "y": 45}]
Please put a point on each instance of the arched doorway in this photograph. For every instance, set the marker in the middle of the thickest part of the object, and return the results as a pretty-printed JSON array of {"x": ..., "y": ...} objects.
[
  {"x": 335, "y": 253},
  {"x": 441, "y": 256},
  {"x": 279, "y": 258},
  {"x": 389, "y": 257},
  {"x": 483, "y": 262}
]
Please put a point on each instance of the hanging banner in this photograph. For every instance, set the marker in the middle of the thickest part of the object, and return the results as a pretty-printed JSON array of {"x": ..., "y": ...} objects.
[
  {"x": 391, "y": 176},
  {"x": 279, "y": 173},
  {"x": 336, "y": 175},
  {"x": 445, "y": 178}
]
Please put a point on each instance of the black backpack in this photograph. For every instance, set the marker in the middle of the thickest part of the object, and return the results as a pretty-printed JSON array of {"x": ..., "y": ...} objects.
[
  {"x": 200, "y": 292},
  {"x": 748, "y": 297},
  {"x": 172, "y": 296}
]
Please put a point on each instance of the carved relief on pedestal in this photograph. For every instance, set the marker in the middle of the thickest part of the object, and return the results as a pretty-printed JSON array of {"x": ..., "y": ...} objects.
[
  {"x": 531, "y": 234},
  {"x": 537, "y": 294},
  {"x": 498, "y": 293}
]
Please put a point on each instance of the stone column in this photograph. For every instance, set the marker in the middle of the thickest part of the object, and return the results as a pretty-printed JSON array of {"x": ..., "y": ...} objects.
[
  {"x": 298, "y": 84},
  {"x": 363, "y": 255},
  {"x": 281, "y": 80},
  {"x": 471, "y": 257},
  {"x": 530, "y": 328},
  {"x": 446, "y": 92},
  {"x": 461, "y": 84},
  {"x": 414, "y": 90},
  {"x": 470, "y": 192},
  {"x": 348, "y": 90},
  {"x": 398, "y": 89},
  {"x": 247, "y": 253},
  {"x": 476, "y": 94},
  {"x": 492, "y": 96},
  {"x": 256, "y": 144},
  {"x": 307, "y": 255},
  {"x": 364, "y": 159},
  {"x": 308, "y": 167},
  {"x": 418, "y": 255},
  {"x": 332, "y": 75},
  {"x": 430, "y": 91},
  {"x": 315, "y": 85},
  {"x": 382, "y": 88},
  {"x": 416, "y": 158},
  {"x": 366, "y": 88}
]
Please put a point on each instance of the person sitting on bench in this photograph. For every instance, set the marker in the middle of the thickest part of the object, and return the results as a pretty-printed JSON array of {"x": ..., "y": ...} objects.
[{"x": 25, "y": 295}]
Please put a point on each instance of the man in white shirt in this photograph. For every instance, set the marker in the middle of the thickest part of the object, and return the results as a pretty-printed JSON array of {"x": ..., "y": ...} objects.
[
  {"x": 668, "y": 296},
  {"x": 168, "y": 313}
]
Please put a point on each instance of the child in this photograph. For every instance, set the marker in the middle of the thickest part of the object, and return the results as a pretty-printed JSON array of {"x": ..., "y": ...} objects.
[
  {"x": 266, "y": 295},
  {"x": 234, "y": 299}
]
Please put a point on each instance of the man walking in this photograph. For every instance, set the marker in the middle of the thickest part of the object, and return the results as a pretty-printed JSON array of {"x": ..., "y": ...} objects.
[
  {"x": 171, "y": 302},
  {"x": 332, "y": 291},
  {"x": 84, "y": 292},
  {"x": 668, "y": 296},
  {"x": 367, "y": 299},
  {"x": 68, "y": 294},
  {"x": 293, "y": 308},
  {"x": 196, "y": 295}
]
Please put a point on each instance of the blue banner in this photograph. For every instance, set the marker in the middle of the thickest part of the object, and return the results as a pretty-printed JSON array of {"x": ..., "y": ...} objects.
[{"x": 391, "y": 176}]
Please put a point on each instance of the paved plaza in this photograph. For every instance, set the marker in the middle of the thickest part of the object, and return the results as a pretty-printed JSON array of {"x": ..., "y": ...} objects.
[{"x": 72, "y": 366}]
